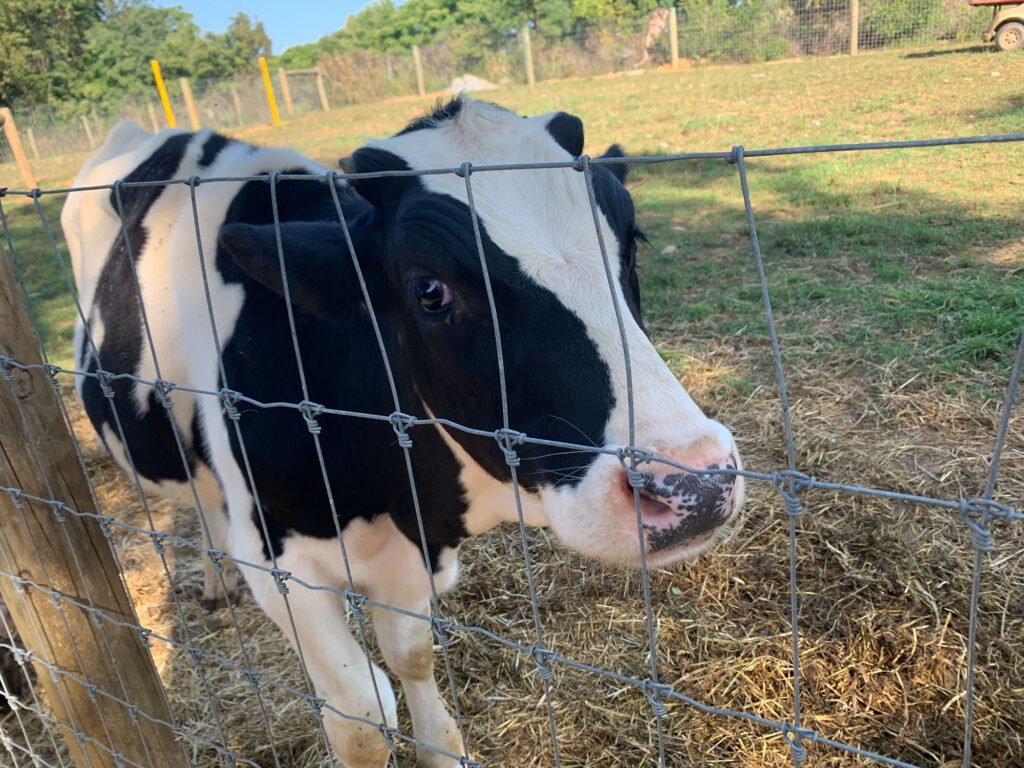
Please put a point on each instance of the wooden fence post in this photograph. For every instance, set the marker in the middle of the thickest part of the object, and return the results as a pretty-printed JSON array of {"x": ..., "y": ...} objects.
[
  {"x": 190, "y": 103},
  {"x": 528, "y": 55},
  {"x": 32, "y": 144},
  {"x": 88, "y": 132},
  {"x": 11, "y": 132},
  {"x": 45, "y": 549},
  {"x": 418, "y": 65},
  {"x": 152, "y": 117},
  {"x": 285, "y": 90},
  {"x": 673, "y": 36},
  {"x": 854, "y": 26},
  {"x": 238, "y": 103},
  {"x": 321, "y": 91}
]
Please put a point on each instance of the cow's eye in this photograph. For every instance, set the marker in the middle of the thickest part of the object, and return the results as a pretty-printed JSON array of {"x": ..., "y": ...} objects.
[{"x": 434, "y": 296}]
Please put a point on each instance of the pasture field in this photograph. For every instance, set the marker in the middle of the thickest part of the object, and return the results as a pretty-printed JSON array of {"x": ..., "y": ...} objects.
[{"x": 897, "y": 283}]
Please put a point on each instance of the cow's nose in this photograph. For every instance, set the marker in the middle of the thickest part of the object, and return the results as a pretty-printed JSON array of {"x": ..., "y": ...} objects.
[{"x": 677, "y": 506}]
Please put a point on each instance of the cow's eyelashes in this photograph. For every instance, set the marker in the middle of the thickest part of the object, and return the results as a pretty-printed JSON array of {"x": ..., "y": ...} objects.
[{"x": 432, "y": 294}]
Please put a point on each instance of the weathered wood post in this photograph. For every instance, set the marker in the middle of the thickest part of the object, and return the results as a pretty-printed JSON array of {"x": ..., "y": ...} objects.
[
  {"x": 152, "y": 117},
  {"x": 53, "y": 561},
  {"x": 285, "y": 90},
  {"x": 11, "y": 132},
  {"x": 88, "y": 132},
  {"x": 321, "y": 90},
  {"x": 190, "y": 103},
  {"x": 528, "y": 55},
  {"x": 418, "y": 65},
  {"x": 673, "y": 36},
  {"x": 32, "y": 144},
  {"x": 854, "y": 26}
]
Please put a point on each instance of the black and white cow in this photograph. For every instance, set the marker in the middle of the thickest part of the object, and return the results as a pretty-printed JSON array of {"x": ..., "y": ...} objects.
[{"x": 414, "y": 238}]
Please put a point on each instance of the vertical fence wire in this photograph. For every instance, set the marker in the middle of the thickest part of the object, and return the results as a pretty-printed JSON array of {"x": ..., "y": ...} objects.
[{"x": 788, "y": 483}]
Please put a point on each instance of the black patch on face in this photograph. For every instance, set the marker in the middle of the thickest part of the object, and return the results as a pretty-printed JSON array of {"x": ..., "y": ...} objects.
[
  {"x": 211, "y": 148},
  {"x": 567, "y": 131},
  {"x": 343, "y": 367},
  {"x": 559, "y": 387},
  {"x": 150, "y": 437}
]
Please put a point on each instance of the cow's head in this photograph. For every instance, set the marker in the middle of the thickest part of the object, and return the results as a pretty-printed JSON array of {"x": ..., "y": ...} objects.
[{"x": 564, "y": 367}]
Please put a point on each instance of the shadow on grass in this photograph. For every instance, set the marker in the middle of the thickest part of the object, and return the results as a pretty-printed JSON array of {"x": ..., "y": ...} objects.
[
  {"x": 861, "y": 270},
  {"x": 968, "y": 49}
]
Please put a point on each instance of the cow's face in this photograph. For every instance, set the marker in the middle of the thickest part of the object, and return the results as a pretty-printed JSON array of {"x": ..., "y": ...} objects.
[{"x": 562, "y": 346}]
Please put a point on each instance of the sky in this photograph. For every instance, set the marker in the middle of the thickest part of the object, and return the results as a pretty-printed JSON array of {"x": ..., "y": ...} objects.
[{"x": 288, "y": 22}]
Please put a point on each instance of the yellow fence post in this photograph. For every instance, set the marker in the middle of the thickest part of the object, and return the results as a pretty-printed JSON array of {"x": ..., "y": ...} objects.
[
  {"x": 163, "y": 91},
  {"x": 270, "y": 91},
  {"x": 673, "y": 37},
  {"x": 11, "y": 132}
]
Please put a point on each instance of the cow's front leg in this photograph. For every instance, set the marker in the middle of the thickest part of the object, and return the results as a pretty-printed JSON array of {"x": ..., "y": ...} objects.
[
  {"x": 337, "y": 666},
  {"x": 407, "y": 645},
  {"x": 218, "y": 588}
]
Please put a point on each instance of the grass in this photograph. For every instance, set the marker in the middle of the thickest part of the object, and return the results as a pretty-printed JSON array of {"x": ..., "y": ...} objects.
[{"x": 896, "y": 284}]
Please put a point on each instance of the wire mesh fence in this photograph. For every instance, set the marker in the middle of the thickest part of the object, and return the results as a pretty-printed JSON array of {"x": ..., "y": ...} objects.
[{"x": 152, "y": 553}]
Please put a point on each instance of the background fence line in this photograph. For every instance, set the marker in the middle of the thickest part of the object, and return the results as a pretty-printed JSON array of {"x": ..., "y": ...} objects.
[
  {"x": 704, "y": 35},
  {"x": 977, "y": 514}
]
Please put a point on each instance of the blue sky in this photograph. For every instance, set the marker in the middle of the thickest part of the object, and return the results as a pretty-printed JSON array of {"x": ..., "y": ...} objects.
[{"x": 288, "y": 22}]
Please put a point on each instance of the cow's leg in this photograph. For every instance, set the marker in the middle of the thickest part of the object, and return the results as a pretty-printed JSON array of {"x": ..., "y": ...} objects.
[
  {"x": 335, "y": 661},
  {"x": 407, "y": 645},
  {"x": 214, "y": 594}
]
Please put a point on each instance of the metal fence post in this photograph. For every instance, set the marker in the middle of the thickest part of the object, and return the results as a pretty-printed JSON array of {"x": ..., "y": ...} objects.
[
  {"x": 50, "y": 548},
  {"x": 270, "y": 91},
  {"x": 162, "y": 90},
  {"x": 11, "y": 132}
]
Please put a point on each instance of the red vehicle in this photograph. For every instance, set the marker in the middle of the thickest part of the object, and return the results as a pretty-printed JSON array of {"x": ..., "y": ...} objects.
[{"x": 1007, "y": 25}]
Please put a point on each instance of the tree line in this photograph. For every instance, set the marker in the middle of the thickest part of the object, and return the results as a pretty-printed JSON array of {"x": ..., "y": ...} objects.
[{"x": 88, "y": 50}]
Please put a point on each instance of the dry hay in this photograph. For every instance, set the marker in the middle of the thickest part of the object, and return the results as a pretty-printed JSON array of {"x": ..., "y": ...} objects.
[{"x": 883, "y": 586}]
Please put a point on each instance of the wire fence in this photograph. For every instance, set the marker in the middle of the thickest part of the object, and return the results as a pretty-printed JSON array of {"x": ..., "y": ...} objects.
[
  {"x": 707, "y": 33},
  {"x": 33, "y": 734}
]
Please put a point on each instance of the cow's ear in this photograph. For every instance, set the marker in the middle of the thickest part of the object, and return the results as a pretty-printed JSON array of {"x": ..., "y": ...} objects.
[
  {"x": 618, "y": 170},
  {"x": 321, "y": 280},
  {"x": 382, "y": 192},
  {"x": 567, "y": 131}
]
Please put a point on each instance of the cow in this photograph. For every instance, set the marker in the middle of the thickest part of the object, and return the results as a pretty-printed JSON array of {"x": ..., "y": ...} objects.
[{"x": 278, "y": 486}]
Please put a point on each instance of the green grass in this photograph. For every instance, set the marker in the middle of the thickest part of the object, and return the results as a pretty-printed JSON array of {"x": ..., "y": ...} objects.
[{"x": 909, "y": 259}]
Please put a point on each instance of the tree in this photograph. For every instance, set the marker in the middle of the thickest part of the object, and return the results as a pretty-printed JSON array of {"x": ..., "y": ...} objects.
[{"x": 41, "y": 46}]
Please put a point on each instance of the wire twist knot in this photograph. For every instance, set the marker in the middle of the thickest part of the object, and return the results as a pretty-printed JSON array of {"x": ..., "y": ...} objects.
[
  {"x": 582, "y": 163},
  {"x": 507, "y": 439},
  {"x": 104, "y": 378},
  {"x": 464, "y": 170},
  {"x": 7, "y": 368},
  {"x": 229, "y": 401},
  {"x": 163, "y": 391},
  {"x": 215, "y": 556},
  {"x": 400, "y": 422},
  {"x": 51, "y": 374},
  {"x": 316, "y": 704},
  {"x": 58, "y": 511},
  {"x": 355, "y": 604},
  {"x": 441, "y": 628},
  {"x": 794, "y": 737},
  {"x": 629, "y": 457},
  {"x": 105, "y": 521},
  {"x": 158, "y": 541},
  {"x": 280, "y": 577},
  {"x": 389, "y": 733},
  {"x": 469, "y": 762},
  {"x": 654, "y": 691},
  {"x": 541, "y": 657},
  {"x": 310, "y": 411},
  {"x": 194, "y": 181},
  {"x": 735, "y": 154}
]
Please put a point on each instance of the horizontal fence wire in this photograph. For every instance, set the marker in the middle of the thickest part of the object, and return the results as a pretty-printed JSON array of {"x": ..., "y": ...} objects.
[{"x": 977, "y": 514}]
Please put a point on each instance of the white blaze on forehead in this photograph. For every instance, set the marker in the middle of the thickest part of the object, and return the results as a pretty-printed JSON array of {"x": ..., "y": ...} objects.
[{"x": 544, "y": 220}]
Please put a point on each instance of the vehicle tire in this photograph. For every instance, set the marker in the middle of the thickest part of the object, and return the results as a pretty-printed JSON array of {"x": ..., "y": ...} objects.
[{"x": 1010, "y": 36}]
